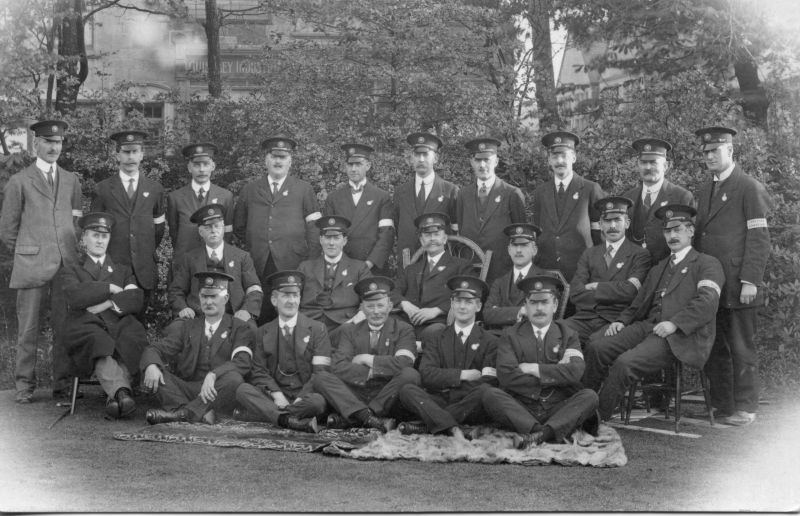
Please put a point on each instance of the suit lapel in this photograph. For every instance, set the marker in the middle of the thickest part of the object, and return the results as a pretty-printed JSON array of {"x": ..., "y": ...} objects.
[
  {"x": 118, "y": 192},
  {"x": 37, "y": 180},
  {"x": 547, "y": 214},
  {"x": 436, "y": 192},
  {"x": 441, "y": 265},
  {"x": 679, "y": 273},
  {"x": 222, "y": 333},
  {"x": 319, "y": 270},
  {"x": 302, "y": 336},
  {"x": 497, "y": 191},
  {"x": 343, "y": 271},
  {"x": 573, "y": 196},
  {"x": 618, "y": 261},
  {"x": 722, "y": 191},
  {"x": 88, "y": 266},
  {"x": 107, "y": 270},
  {"x": 470, "y": 347}
]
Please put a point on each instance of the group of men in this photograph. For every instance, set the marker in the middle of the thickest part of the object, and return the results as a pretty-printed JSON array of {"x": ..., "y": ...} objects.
[{"x": 305, "y": 327}]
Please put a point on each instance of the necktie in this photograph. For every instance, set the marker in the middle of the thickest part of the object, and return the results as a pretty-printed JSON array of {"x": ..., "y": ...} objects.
[
  {"x": 214, "y": 257},
  {"x": 462, "y": 337},
  {"x": 711, "y": 197},
  {"x": 287, "y": 332},
  {"x": 431, "y": 265},
  {"x": 519, "y": 277},
  {"x": 560, "y": 198},
  {"x": 648, "y": 200},
  {"x": 373, "y": 339},
  {"x": 131, "y": 191},
  {"x": 50, "y": 180},
  {"x": 96, "y": 268},
  {"x": 201, "y": 195},
  {"x": 483, "y": 194},
  {"x": 421, "y": 198},
  {"x": 607, "y": 256},
  {"x": 672, "y": 261},
  {"x": 539, "y": 337},
  {"x": 209, "y": 331},
  {"x": 330, "y": 274},
  {"x": 275, "y": 188}
]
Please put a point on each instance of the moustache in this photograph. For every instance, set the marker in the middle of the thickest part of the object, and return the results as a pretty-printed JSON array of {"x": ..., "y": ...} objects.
[{"x": 673, "y": 241}]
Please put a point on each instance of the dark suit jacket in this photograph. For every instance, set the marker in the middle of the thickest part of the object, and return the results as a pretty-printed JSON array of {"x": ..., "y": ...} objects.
[
  {"x": 505, "y": 299},
  {"x": 518, "y": 345},
  {"x": 445, "y": 356},
  {"x": 442, "y": 198},
  {"x": 37, "y": 226},
  {"x": 617, "y": 285},
  {"x": 732, "y": 227},
  {"x": 245, "y": 291},
  {"x": 690, "y": 302},
  {"x": 344, "y": 299},
  {"x": 366, "y": 240},
  {"x": 282, "y": 227},
  {"x": 181, "y": 204},
  {"x": 139, "y": 224},
  {"x": 505, "y": 205},
  {"x": 109, "y": 333},
  {"x": 231, "y": 348},
  {"x": 396, "y": 350},
  {"x": 647, "y": 230},
  {"x": 565, "y": 238}
]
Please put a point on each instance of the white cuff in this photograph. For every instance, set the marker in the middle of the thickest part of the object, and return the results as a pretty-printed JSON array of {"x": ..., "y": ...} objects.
[
  {"x": 77, "y": 213},
  {"x": 320, "y": 360},
  {"x": 130, "y": 286}
]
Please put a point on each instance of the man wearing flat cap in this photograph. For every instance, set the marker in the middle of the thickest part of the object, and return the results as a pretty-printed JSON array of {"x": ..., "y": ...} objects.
[
  {"x": 138, "y": 206},
  {"x": 456, "y": 365},
  {"x": 653, "y": 192},
  {"x": 671, "y": 318},
  {"x": 609, "y": 275},
  {"x": 212, "y": 355},
  {"x": 275, "y": 215},
  {"x": 506, "y": 303},
  {"x": 37, "y": 225},
  {"x": 564, "y": 207},
  {"x": 368, "y": 208},
  {"x": 427, "y": 193},
  {"x": 732, "y": 213},
  {"x": 328, "y": 294},
  {"x": 186, "y": 200},
  {"x": 539, "y": 367},
  {"x": 487, "y": 206},
  {"x": 104, "y": 338},
  {"x": 421, "y": 292},
  {"x": 246, "y": 294}
]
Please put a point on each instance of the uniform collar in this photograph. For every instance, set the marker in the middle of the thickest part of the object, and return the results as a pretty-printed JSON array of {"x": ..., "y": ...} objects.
[
  {"x": 291, "y": 323},
  {"x": 725, "y": 173},
  {"x": 466, "y": 329},
  {"x": 542, "y": 331}
]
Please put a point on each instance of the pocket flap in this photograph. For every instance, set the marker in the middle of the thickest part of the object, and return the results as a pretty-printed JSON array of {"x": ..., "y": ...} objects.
[{"x": 27, "y": 249}]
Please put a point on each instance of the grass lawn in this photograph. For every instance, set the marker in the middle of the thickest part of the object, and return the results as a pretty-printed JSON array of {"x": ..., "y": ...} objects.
[{"x": 78, "y": 466}]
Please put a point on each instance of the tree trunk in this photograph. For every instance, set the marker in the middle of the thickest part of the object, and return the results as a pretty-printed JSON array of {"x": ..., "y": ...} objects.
[
  {"x": 539, "y": 12},
  {"x": 73, "y": 64},
  {"x": 212, "y": 28},
  {"x": 754, "y": 99}
]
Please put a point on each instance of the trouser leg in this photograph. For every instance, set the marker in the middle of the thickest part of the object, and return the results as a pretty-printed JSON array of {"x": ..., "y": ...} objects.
[
  {"x": 469, "y": 409},
  {"x": 601, "y": 353},
  {"x": 112, "y": 375},
  {"x": 383, "y": 403},
  {"x": 176, "y": 392},
  {"x": 225, "y": 385},
  {"x": 62, "y": 362},
  {"x": 428, "y": 407},
  {"x": 28, "y": 303},
  {"x": 719, "y": 366},
  {"x": 308, "y": 405},
  {"x": 571, "y": 413},
  {"x": 337, "y": 394},
  {"x": 507, "y": 412},
  {"x": 257, "y": 403}
]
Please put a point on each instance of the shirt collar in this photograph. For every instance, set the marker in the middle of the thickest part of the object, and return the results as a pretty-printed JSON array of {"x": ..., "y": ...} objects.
[
  {"x": 360, "y": 185},
  {"x": 126, "y": 179},
  {"x": 291, "y": 323},
  {"x": 219, "y": 250},
  {"x": 373, "y": 328},
  {"x": 680, "y": 255},
  {"x": 44, "y": 166},
  {"x": 428, "y": 180},
  {"x": 99, "y": 261},
  {"x": 523, "y": 270},
  {"x": 615, "y": 245},
  {"x": 435, "y": 258},
  {"x": 279, "y": 181},
  {"x": 542, "y": 331},
  {"x": 566, "y": 181},
  {"x": 333, "y": 261},
  {"x": 466, "y": 329},
  {"x": 725, "y": 173},
  {"x": 489, "y": 183},
  {"x": 212, "y": 326},
  {"x": 195, "y": 186},
  {"x": 652, "y": 189}
]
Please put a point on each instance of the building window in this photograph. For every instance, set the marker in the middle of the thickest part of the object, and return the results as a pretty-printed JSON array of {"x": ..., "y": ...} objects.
[{"x": 153, "y": 115}]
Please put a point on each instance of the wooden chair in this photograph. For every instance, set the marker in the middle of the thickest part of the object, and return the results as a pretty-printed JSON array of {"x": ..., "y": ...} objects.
[
  {"x": 77, "y": 381},
  {"x": 461, "y": 247},
  {"x": 562, "y": 304}
]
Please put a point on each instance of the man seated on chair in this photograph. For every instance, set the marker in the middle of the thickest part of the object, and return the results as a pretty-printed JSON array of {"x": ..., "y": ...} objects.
[
  {"x": 609, "y": 275},
  {"x": 212, "y": 354},
  {"x": 421, "y": 292},
  {"x": 506, "y": 303},
  {"x": 539, "y": 367},
  {"x": 672, "y": 317},
  {"x": 328, "y": 294},
  {"x": 103, "y": 336},
  {"x": 245, "y": 294},
  {"x": 375, "y": 358},
  {"x": 456, "y": 365}
]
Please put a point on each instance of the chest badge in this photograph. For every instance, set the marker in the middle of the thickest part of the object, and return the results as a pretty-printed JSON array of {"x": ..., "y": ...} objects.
[
  {"x": 576, "y": 196},
  {"x": 475, "y": 346},
  {"x": 683, "y": 271},
  {"x": 724, "y": 197},
  {"x": 110, "y": 269},
  {"x": 214, "y": 200},
  {"x": 620, "y": 265},
  {"x": 440, "y": 198},
  {"x": 497, "y": 199},
  {"x": 285, "y": 193},
  {"x": 369, "y": 202},
  {"x": 146, "y": 194},
  {"x": 230, "y": 264},
  {"x": 224, "y": 335},
  {"x": 307, "y": 338}
]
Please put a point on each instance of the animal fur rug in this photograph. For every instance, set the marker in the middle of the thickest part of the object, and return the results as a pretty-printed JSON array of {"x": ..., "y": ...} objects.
[{"x": 490, "y": 445}]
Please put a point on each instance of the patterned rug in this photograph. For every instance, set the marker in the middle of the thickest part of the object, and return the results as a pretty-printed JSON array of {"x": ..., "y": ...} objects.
[{"x": 491, "y": 446}]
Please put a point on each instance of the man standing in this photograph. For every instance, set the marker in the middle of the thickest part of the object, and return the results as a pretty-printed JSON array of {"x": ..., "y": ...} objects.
[
  {"x": 185, "y": 201},
  {"x": 428, "y": 193},
  {"x": 137, "y": 204},
  {"x": 732, "y": 226},
  {"x": 564, "y": 208},
  {"x": 671, "y": 318},
  {"x": 609, "y": 275},
  {"x": 37, "y": 225},
  {"x": 212, "y": 354},
  {"x": 368, "y": 208},
  {"x": 275, "y": 215},
  {"x": 456, "y": 365},
  {"x": 653, "y": 192},
  {"x": 506, "y": 302},
  {"x": 328, "y": 294},
  {"x": 484, "y": 208}
]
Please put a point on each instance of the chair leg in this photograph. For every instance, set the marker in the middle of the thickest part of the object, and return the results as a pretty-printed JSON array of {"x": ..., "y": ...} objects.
[
  {"x": 74, "y": 394},
  {"x": 707, "y": 396},
  {"x": 678, "y": 395},
  {"x": 629, "y": 404}
]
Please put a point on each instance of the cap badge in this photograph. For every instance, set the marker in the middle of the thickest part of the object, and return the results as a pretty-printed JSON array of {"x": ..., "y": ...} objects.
[
  {"x": 211, "y": 211},
  {"x": 421, "y": 140},
  {"x": 290, "y": 279},
  {"x": 537, "y": 285},
  {"x": 280, "y": 144},
  {"x": 199, "y": 150},
  {"x": 557, "y": 139},
  {"x": 129, "y": 137},
  {"x": 610, "y": 206},
  {"x": 55, "y": 128},
  {"x": 519, "y": 230},
  {"x": 669, "y": 214},
  {"x": 331, "y": 221},
  {"x": 351, "y": 150},
  {"x": 429, "y": 221},
  {"x": 647, "y": 147},
  {"x": 464, "y": 284},
  {"x": 482, "y": 146},
  {"x": 209, "y": 281},
  {"x": 373, "y": 286},
  {"x": 707, "y": 136}
]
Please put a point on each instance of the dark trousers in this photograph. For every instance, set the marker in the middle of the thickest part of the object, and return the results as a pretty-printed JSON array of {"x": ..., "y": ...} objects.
[
  {"x": 381, "y": 395},
  {"x": 617, "y": 361},
  {"x": 732, "y": 367},
  {"x": 438, "y": 413},
  {"x": 177, "y": 393},
  {"x": 258, "y": 403},
  {"x": 588, "y": 326},
  {"x": 562, "y": 412},
  {"x": 337, "y": 394}
]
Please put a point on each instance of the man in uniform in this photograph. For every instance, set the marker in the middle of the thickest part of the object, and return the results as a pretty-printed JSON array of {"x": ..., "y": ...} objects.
[
  {"x": 212, "y": 354},
  {"x": 421, "y": 291},
  {"x": 137, "y": 205},
  {"x": 185, "y": 201},
  {"x": 37, "y": 226},
  {"x": 732, "y": 226},
  {"x": 456, "y": 365},
  {"x": 245, "y": 290},
  {"x": 103, "y": 336},
  {"x": 368, "y": 208},
  {"x": 564, "y": 208},
  {"x": 609, "y": 275},
  {"x": 671, "y": 318},
  {"x": 328, "y": 294},
  {"x": 653, "y": 192},
  {"x": 275, "y": 215},
  {"x": 506, "y": 303},
  {"x": 539, "y": 367},
  {"x": 375, "y": 357},
  {"x": 487, "y": 206},
  {"x": 428, "y": 193}
]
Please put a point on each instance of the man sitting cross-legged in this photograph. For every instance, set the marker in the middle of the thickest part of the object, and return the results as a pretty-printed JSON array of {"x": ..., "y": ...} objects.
[
  {"x": 456, "y": 365},
  {"x": 212, "y": 354}
]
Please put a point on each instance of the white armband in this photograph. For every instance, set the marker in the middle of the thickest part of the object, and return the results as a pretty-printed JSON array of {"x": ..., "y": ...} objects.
[
  {"x": 130, "y": 286},
  {"x": 595, "y": 226},
  {"x": 710, "y": 284},
  {"x": 77, "y": 213},
  {"x": 636, "y": 283},
  {"x": 242, "y": 348},
  {"x": 321, "y": 360},
  {"x": 488, "y": 371},
  {"x": 756, "y": 223},
  {"x": 405, "y": 353},
  {"x": 253, "y": 288},
  {"x": 454, "y": 227},
  {"x": 570, "y": 352},
  {"x": 386, "y": 223},
  {"x": 159, "y": 220},
  {"x": 228, "y": 228},
  {"x": 313, "y": 216}
]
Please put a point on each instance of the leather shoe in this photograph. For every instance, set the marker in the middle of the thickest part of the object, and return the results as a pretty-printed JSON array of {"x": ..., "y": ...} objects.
[
  {"x": 240, "y": 414},
  {"x": 525, "y": 441},
  {"x": 308, "y": 424},
  {"x": 209, "y": 418},
  {"x": 156, "y": 416},
  {"x": 24, "y": 397},
  {"x": 740, "y": 418},
  {"x": 337, "y": 421},
  {"x": 412, "y": 427},
  {"x": 126, "y": 404},
  {"x": 112, "y": 408},
  {"x": 384, "y": 424}
]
